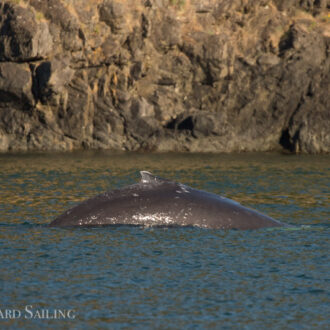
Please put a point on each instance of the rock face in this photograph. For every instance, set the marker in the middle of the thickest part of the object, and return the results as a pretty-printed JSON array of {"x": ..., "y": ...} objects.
[{"x": 165, "y": 75}]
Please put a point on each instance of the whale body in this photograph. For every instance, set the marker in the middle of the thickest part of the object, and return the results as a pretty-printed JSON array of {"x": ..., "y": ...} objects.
[{"x": 155, "y": 201}]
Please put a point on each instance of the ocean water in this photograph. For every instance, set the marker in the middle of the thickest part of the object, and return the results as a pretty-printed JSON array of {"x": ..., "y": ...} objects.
[{"x": 164, "y": 278}]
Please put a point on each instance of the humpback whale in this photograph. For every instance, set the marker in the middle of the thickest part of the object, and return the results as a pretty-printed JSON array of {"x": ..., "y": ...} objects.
[{"x": 155, "y": 201}]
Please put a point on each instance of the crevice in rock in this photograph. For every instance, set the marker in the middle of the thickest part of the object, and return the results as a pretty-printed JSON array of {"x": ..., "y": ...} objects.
[
  {"x": 208, "y": 76},
  {"x": 70, "y": 136},
  {"x": 186, "y": 124},
  {"x": 171, "y": 124},
  {"x": 285, "y": 140},
  {"x": 182, "y": 124},
  {"x": 286, "y": 42}
]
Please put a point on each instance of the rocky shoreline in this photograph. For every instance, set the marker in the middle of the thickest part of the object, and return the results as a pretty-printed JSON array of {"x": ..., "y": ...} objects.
[{"x": 165, "y": 75}]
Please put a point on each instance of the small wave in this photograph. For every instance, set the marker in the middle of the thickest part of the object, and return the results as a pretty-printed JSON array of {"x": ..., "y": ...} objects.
[{"x": 320, "y": 226}]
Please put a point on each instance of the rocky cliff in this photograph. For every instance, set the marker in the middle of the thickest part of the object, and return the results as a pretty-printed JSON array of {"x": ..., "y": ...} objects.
[{"x": 183, "y": 75}]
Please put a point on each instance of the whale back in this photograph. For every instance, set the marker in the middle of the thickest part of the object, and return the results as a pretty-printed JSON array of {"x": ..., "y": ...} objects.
[{"x": 156, "y": 201}]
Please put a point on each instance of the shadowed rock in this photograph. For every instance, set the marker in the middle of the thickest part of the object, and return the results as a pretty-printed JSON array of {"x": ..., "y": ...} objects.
[{"x": 205, "y": 76}]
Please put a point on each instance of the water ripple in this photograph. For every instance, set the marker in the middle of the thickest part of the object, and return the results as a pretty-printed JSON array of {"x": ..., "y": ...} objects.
[{"x": 132, "y": 277}]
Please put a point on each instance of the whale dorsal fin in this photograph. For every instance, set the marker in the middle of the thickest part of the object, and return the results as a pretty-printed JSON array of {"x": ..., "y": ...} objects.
[{"x": 147, "y": 177}]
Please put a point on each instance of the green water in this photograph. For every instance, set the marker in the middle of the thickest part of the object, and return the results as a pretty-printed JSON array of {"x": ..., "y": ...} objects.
[{"x": 166, "y": 278}]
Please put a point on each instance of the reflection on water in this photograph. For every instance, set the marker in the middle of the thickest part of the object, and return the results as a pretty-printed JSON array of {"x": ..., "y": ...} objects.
[
  {"x": 294, "y": 189},
  {"x": 118, "y": 277}
]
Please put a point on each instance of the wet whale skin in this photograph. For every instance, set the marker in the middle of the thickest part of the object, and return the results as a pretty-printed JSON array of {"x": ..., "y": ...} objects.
[{"x": 155, "y": 201}]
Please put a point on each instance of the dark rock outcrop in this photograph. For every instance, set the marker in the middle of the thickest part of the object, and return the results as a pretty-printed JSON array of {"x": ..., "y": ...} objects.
[{"x": 182, "y": 75}]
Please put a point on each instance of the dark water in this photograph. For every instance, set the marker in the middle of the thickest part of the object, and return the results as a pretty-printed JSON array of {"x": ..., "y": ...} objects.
[{"x": 165, "y": 278}]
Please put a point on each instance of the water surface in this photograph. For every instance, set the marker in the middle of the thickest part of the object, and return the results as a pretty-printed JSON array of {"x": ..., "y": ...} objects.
[{"x": 128, "y": 277}]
